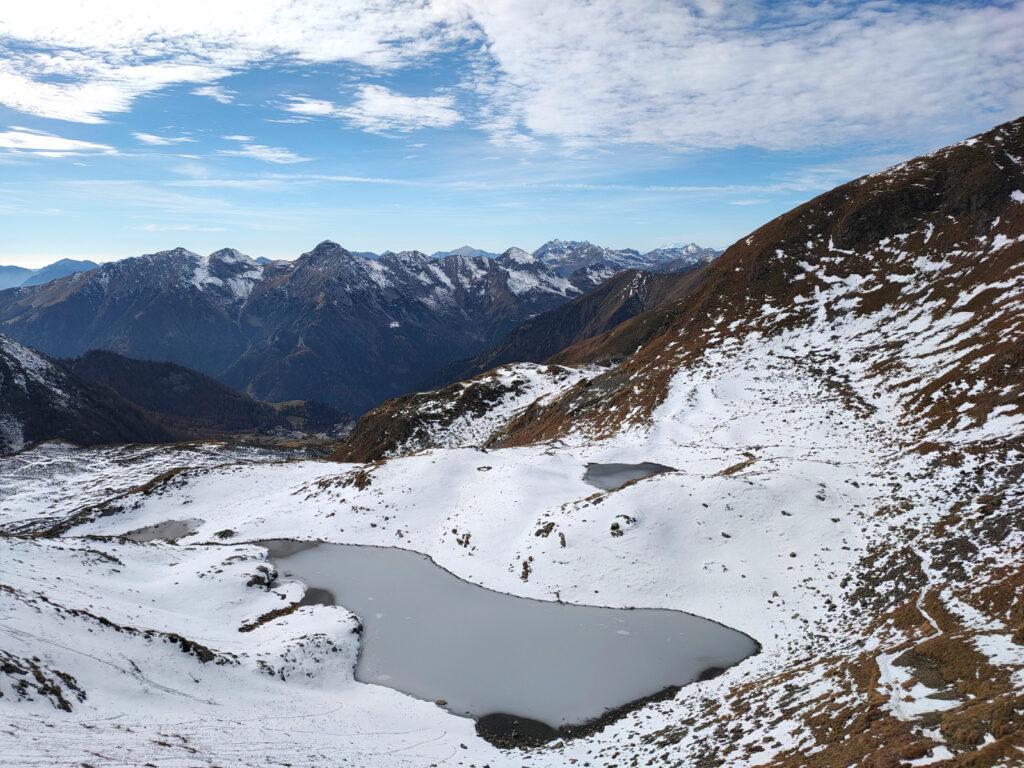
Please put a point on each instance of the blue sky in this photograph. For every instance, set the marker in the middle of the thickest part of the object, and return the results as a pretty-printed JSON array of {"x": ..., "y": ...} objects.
[{"x": 399, "y": 124}]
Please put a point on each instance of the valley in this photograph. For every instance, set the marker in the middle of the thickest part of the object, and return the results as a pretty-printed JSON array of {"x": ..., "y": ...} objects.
[{"x": 813, "y": 443}]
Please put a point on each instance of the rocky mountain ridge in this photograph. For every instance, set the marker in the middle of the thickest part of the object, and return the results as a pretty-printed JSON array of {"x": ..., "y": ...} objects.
[{"x": 351, "y": 329}]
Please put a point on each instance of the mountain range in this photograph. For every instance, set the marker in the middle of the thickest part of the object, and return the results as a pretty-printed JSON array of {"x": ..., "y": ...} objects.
[
  {"x": 12, "y": 277},
  {"x": 332, "y": 325}
]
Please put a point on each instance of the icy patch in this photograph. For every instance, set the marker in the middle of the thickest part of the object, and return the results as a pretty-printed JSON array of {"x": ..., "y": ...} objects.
[
  {"x": 433, "y": 635},
  {"x": 170, "y": 530},
  {"x": 610, "y": 477}
]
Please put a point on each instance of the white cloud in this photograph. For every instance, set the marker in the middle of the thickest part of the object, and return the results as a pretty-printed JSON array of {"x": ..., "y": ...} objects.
[
  {"x": 216, "y": 92},
  {"x": 81, "y": 61},
  {"x": 776, "y": 75},
  {"x": 674, "y": 73},
  {"x": 161, "y": 141},
  {"x": 303, "y": 105},
  {"x": 378, "y": 109},
  {"x": 25, "y": 141},
  {"x": 237, "y": 137},
  {"x": 266, "y": 154}
]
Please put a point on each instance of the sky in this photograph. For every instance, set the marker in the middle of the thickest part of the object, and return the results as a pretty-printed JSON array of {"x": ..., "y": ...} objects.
[{"x": 271, "y": 125}]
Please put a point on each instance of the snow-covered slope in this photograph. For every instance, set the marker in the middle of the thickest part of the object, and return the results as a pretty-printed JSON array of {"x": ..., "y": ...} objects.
[
  {"x": 842, "y": 409},
  {"x": 466, "y": 413}
]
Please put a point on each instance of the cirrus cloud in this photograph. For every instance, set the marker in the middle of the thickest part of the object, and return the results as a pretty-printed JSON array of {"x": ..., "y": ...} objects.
[
  {"x": 161, "y": 141},
  {"x": 26, "y": 141},
  {"x": 377, "y": 109},
  {"x": 218, "y": 93},
  {"x": 722, "y": 75},
  {"x": 267, "y": 154}
]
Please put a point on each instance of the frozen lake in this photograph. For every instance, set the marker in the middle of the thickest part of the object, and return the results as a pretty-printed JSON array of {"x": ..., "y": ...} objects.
[
  {"x": 608, "y": 477},
  {"x": 434, "y": 636},
  {"x": 170, "y": 530}
]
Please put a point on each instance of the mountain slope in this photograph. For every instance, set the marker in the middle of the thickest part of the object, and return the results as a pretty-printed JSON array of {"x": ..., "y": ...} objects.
[
  {"x": 348, "y": 330},
  {"x": 621, "y": 297},
  {"x": 173, "y": 305},
  {"x": 103, "y": 398},
  {"x": 932, "y": 243},
  {"x": 41, "y": 400},
  {"x": 190, "y": 404},
  {"x": 57, "y": 270},
  {"x": 12, "y": 277}
]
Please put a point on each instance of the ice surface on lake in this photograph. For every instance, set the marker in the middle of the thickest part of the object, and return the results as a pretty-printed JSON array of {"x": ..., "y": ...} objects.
[
  {"x": 435, "y": 636},
  {"x": 608, "y": 477},
  {"x": 171, "y": 530}
]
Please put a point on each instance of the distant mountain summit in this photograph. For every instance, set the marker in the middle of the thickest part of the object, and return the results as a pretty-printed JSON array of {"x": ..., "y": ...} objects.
[
  {"x": 14, "y": 277},
  {"x": 592, "y": 262},
  {"x": 58, "y": 270},
  {"x": 465, "y": 250},
  {"x": 567, "y": 256},
  {"x": 677, "y": 258}
]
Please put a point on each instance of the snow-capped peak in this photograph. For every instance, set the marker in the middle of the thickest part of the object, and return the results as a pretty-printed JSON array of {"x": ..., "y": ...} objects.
[
  {"x": 518, "y": 256},
  {"x": 231, "y": 256},
  {"x": 174, "y": 253},
  {"x": 228, "y": 269}
]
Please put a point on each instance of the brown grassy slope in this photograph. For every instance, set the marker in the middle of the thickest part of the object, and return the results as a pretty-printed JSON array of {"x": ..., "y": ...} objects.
[{"x": 895, "y": 225}]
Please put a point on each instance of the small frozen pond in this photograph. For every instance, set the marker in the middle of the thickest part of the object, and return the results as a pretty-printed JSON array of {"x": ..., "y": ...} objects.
[
  {"x": 608, "y": 477},
  {"x": 169, "y": 530},
  {"x": 434, "y": 636}
]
